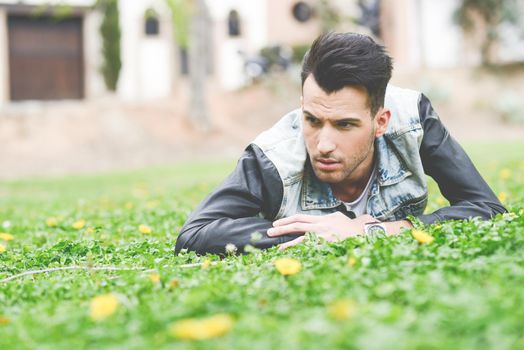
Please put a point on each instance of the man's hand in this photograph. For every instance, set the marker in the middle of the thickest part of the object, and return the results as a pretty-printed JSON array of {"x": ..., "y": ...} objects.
[{"x": 333, "y": 227}]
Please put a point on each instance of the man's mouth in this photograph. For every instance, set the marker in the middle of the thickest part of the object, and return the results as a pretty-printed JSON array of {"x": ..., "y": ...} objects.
[{"x": 326, "y": 164}]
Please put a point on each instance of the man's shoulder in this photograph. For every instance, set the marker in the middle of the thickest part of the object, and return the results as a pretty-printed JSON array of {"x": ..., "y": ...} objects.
[
  {"x": 396, "y": 94},
  {"x": 284, "y": 145},
  {"x": 403, "y": 104},
  {"x": 287, "y": 128}
]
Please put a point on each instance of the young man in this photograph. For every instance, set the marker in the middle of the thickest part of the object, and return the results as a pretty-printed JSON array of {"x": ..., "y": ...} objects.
[{"x": 352, "y": 159}]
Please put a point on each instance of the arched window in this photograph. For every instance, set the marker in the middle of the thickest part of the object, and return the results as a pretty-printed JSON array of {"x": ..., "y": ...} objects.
[
  {"x": 152, "y": 24},
  {"x": 233, "y": 23}
]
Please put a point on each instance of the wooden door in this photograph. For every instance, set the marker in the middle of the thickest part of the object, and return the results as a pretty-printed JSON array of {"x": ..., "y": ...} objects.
[{"x": 45, "y": 58}]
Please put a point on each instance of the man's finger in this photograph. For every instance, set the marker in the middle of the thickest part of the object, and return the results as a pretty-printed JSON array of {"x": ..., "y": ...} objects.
[
  {"x": 294, "y": 227},
  {"x": 296, "y": 218},
  {"x": 291, "y": 243}
]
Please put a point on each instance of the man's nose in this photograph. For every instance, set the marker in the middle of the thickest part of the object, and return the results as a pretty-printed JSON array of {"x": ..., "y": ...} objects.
[{"x": 325, "y": 142}]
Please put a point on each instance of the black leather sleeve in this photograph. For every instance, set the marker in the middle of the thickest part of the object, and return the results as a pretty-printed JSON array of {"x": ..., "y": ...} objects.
[
  {"x": 245, "y": 203},
  {"x": 457, "y": 178}
]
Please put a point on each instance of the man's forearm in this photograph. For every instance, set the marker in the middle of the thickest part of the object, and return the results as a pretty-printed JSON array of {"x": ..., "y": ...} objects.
[
  {"x": 395, "y": 227},
  {"x": 458, "y": 179},
  {"x": 231, "y": 214},
  {"x": 213, "y": 236}
]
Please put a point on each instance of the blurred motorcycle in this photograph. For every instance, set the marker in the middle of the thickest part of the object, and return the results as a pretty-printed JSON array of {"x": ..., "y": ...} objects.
[{"x": 269, "y": 59}]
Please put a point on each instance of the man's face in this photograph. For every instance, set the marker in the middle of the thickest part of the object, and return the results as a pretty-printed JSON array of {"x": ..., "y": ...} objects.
[{"x": 339, "y": 131}]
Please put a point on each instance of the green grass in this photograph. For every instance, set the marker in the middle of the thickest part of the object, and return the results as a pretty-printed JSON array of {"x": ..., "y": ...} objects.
[{"x": 463, "y": 291}]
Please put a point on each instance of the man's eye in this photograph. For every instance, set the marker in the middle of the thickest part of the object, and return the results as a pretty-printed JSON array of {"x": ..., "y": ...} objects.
[
  {"x": 312, "y": 120},
  {"x": 344, "y": 125}
]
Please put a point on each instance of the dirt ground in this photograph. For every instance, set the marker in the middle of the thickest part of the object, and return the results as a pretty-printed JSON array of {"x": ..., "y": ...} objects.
[{"x": 57, "y": 138}]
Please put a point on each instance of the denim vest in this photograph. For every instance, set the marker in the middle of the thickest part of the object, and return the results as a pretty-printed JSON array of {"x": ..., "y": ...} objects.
[{"x": 399, "y": 188}]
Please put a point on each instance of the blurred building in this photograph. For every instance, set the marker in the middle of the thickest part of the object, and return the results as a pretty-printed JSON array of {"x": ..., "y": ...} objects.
[
  {"x": 43, "y": 58},
  {"x": 423, "y": 34}
]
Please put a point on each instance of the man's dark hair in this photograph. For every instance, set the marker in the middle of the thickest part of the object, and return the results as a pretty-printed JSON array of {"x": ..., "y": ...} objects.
[{"x": 337, "y": 60}]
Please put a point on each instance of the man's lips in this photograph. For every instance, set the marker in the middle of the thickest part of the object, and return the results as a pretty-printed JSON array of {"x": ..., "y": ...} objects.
[{"x": 326, "y": 163}]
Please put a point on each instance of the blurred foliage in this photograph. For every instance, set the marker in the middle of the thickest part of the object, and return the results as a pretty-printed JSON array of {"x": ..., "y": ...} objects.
[
  {"x": 486, "y": 14},
  {"x": 57, "y": 12},
  {"x": 62, "y": 11},
  {"x": 437, "y": 92},
  {"x": 298, "y": 52},
  {"x": 510, "y": 107},
  {"x": 110, "y": 32},
  {"x": 180, "y": 15},
  {"x": 191, "y": 31},
  {"x": 328, "y": 15},
  {"x": 150, "y": 13}
]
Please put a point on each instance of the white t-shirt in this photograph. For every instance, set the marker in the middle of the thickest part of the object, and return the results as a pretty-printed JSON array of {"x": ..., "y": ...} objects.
[{"x": 359, "y": 205}]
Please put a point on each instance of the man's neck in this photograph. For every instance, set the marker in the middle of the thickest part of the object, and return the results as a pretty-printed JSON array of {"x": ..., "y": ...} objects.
[{"x": 351, "y": 188}]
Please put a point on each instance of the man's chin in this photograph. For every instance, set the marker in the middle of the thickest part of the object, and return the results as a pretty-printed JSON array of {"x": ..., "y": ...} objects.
[{"x": 330, "y": 177}]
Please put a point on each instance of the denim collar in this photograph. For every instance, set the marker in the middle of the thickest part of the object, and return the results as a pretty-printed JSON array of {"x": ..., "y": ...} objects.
[
  {"x": 316, "y": 194},
  {"x": 391, "y": 169}
]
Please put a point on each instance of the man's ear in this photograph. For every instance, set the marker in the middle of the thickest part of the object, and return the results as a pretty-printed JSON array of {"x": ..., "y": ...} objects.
[
  {"x": 301, "y": 102},
  {"x": 381, "y": 121}
]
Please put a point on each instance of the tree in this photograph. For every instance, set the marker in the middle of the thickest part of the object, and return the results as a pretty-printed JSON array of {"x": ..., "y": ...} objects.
[
  {"x": 191, "y": 26},
  {"x": 198, "y": 58},
  {"x": 488, "y": 15},
  {"x": 110, "y": 32}
]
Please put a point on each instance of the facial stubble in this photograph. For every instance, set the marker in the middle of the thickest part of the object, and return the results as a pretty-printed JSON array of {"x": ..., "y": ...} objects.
[{"x": 355, "y": 162}]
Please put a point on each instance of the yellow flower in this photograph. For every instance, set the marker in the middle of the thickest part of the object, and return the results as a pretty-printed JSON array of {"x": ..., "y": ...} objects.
[
  {"x": 174, "y": 283},
  {"x": 4, "y": 320},
  {"x": 352, "y": 261},
  {"x": 51, "y": 222},
  {"x": 77, "y": 225},
  {"x": 6, "y": 236},
  {"x": 422, "y": 237},
  {"x": 144, "y": 229},
  {"x": 505, "y": 174},
  {"x": 2, "y": 248},
  {"x": 502, "y": 196},
  {"x": 206, "y": 264},
  {"x": 341, "y": 309},
  {"x": 288, "y": 266},
  {"x": 203, "y": 328},
  {"x": 155, "y": 278},
  {"x": 103, "y": 306}
]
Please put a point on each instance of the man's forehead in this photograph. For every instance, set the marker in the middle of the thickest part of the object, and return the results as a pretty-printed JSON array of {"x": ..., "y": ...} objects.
[
  {"x": 347, "y": 99},
  {"x": 311, "y": 87}
]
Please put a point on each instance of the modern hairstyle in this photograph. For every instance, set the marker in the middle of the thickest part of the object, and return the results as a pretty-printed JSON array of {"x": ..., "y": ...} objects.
[{"x": 337, "y": 60}]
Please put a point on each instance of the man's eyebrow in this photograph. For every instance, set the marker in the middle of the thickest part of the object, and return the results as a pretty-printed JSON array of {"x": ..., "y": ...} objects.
[
  {"x": 354, "y": 121},
  {"x": 349, "y": 120},
  {"x": 309, "y": 114}
]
